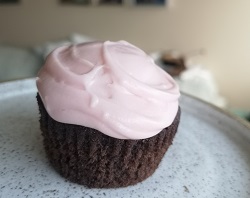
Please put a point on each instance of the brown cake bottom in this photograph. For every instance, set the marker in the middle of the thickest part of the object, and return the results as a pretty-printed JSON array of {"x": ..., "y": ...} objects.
[{"x": 88, "y": 157}]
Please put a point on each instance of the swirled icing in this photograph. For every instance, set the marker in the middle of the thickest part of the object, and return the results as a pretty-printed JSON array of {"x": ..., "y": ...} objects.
[{"x": 113, "y": 87}]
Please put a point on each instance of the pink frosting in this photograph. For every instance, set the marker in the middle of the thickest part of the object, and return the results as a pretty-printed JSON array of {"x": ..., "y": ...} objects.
[{"x": 113, "y": 87}]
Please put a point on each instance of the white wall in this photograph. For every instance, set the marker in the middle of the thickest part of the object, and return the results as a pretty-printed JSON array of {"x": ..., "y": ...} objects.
[{"x": 221, "y": 27}]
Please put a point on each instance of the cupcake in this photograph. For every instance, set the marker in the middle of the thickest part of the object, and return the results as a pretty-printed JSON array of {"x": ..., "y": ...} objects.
[{"x": 108, "y": 113}]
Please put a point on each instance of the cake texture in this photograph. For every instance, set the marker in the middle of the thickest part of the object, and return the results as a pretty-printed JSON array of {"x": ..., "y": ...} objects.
[{"x": 108, "y": 113}]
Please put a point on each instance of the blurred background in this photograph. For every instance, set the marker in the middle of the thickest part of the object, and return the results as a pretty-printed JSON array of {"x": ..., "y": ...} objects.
[{"x": 204, "y": 44}]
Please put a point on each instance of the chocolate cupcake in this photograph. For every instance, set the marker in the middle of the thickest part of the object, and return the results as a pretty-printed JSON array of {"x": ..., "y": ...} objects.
[{"x": 108, "y": 113}]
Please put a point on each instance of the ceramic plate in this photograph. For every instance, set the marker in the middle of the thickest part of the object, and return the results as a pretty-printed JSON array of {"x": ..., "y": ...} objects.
[{"x": 210, "y": 155}]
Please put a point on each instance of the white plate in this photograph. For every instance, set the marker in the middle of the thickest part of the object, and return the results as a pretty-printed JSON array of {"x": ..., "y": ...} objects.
[{"x": 210, "y": 156}]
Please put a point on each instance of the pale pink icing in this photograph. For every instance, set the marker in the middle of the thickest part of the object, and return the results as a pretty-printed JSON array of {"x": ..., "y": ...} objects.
[{"x": 113, "y": 87}]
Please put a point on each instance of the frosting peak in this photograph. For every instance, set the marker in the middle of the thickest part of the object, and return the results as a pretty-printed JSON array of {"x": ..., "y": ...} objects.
[{"x": 113, "y": 87}]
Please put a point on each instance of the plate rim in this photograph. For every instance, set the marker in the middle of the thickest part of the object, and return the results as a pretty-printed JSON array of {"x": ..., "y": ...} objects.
[{"x": 220, "y": 110}]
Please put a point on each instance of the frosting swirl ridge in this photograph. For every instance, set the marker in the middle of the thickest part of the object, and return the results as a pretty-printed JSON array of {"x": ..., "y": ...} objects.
[{"x": 113, "y": 87}]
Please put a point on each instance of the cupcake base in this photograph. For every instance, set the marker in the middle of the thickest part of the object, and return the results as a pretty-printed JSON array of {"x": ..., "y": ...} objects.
[{"x": 91, "y": 158}]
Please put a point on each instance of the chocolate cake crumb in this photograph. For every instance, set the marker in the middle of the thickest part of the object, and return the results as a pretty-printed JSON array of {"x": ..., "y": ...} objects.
[{"x": 86, "y": 156}]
